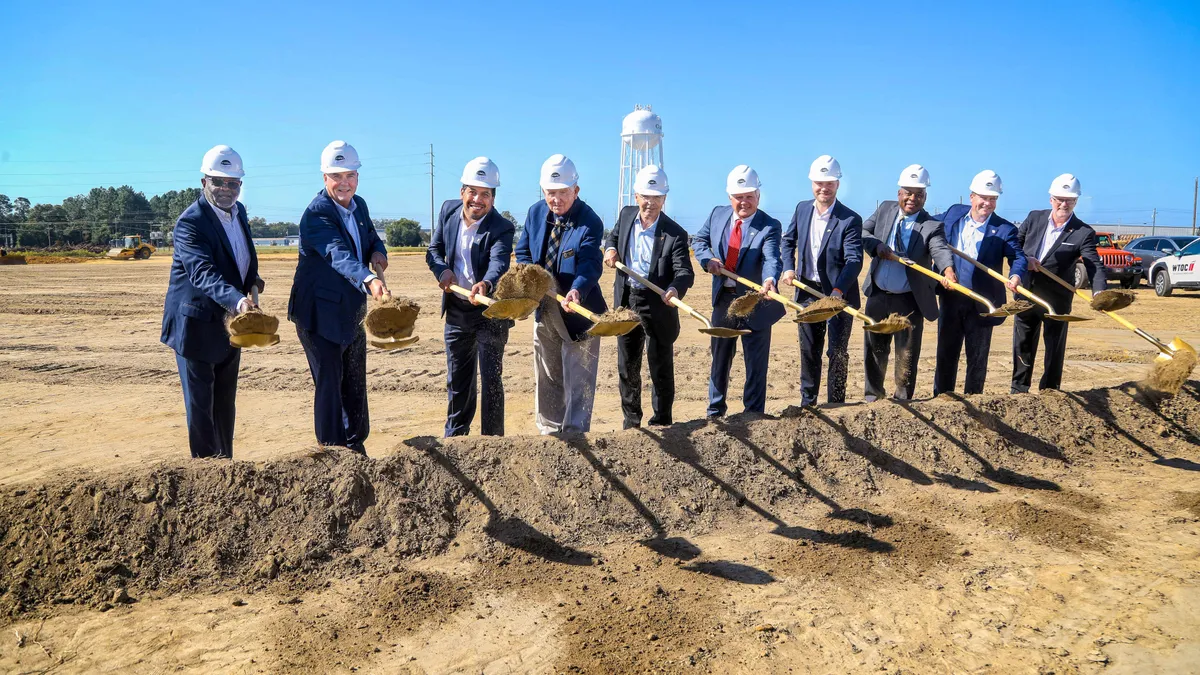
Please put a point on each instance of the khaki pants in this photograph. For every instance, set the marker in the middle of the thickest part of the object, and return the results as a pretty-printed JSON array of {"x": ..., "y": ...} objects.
[{"x": 564, "y": 374}]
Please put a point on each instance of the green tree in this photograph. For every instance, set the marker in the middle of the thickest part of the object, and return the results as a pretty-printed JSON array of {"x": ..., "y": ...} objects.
[
  {"x": 20, "y": 209},
  {"x": 404, "y": 232}
]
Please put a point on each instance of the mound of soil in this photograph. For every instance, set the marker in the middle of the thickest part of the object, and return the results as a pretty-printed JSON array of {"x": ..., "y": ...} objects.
[
  {"x": 1112, "y": 300},
  {"x": 894, "y": 323},
  {"x": 743, "y": 305},
  {"x": 618, "y": 315},
  {"x": 523, "y": 280},
  {"x": 392, "y": 318},
  {"x": 254, "y": 322},
  {"x": 1016, "y": 306}
]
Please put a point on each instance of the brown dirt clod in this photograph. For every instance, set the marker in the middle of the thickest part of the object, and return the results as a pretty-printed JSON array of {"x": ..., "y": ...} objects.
[
  {"x": 254, "y": 322},
  {"x": 1112, "y": 300},
  {"x": 618, "y": 315},
  {"x": 1016, "y": 306},
  {"x": 392, "y": 318},
  {"x": 523, "y": 280},
  {"x": 895, "y": 323},
  {"x": 742, "y": 306}
]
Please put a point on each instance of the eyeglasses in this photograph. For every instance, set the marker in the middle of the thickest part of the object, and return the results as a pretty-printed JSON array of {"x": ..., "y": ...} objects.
[
  {"x": 1065, "y": 201},
  {"x": 225, "y": 182}
]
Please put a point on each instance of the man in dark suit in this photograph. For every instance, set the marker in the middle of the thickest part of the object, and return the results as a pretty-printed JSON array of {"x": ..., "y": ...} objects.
[
  {"x": 564, "y": 235},
  {"x": 471, "y": 247},
  {"x": 213, "y": 269},
  {"x": 974, "y": 229},
  {"x": 744, "y": 240},
  {"x": 901, "y": 228},
  {"x": 655, "y": 247},
  {"x": 329, "y": 298},
  {"x": 822, "y": 247},
  {"x": 1054, "y": 240}
]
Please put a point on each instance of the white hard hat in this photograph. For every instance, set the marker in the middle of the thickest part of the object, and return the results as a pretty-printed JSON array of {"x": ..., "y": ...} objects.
[
  {"x": 914, "y": 176},
  {"x": 651, "y": 180},
  {"x": 825, "y": 169},
  {"x": 987, "y": 183},
  {"x": 222, "y": 161},
  {"x": 741, "y": 180},
  {"x": 339, "y": 157},
  {"x": 1065, "y": 186},
  {"x": 481, "y": 172},
  {"x": 558, "y": 172}
]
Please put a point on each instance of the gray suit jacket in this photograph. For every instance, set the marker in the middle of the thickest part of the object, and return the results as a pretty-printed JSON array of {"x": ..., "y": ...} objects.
[{"x": 926, "y": 246}]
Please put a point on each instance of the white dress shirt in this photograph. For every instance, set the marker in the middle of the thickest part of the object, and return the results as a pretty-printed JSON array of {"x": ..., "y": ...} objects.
[
  {"x": 816, "y": 233},
  {"x": 1053, "y": 232},
  {"x": 641, "y": 248},
  {"x": 237, "y": 239},
  {"x": 463, "y": 269}
]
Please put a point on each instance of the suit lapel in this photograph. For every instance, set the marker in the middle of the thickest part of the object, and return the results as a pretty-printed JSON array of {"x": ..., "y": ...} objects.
[
  {"x": 659, "y": 235},
  {"x": 220, "y": 229},
  {"x": 722, "y": 229},
  {"x": 453, "y": 225}
]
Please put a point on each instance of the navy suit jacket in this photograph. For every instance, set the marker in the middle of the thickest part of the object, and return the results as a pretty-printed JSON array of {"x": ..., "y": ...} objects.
[
  {"x": 204, "y": 284},
  {"x": 490, "y": 256},
  {"x": 758, "y": 258},
  {"x": 580, "y": 260},
  {"x": 328, "y": 297},
  {"x": 1077, "y": 242},
  {"x": 926, "y": 246},
  {"x": 841, "y": 252},
  {"x": 1000, "y": 243}
]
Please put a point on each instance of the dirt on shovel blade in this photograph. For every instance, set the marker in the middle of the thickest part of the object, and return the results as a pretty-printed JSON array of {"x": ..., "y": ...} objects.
[
  {"x": 1168, "y": 375},
  {"x": 523, "y": 280},
  {"x": 1016, "y": 306},
  {"x": 742, "y": 306},
  {"x": 826, "y": 304},
  {"x": 1111, "y": 301},
  {"x": 894, "y": 323},
  {"x": 392, "y": 318},
  {"x": 618, "y": 315},
  {"x": 254, "y": 322}
]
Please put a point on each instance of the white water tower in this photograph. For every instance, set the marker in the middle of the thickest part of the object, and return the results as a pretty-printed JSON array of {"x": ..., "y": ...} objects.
[{"x": 641, "y": 145}]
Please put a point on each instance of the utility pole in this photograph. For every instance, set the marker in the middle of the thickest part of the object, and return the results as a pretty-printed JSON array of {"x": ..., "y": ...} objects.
[
  {"x": 1195, "y": 189},
  {"x": 1153, "y": 221},
  {"x": 432, "y": 222}
]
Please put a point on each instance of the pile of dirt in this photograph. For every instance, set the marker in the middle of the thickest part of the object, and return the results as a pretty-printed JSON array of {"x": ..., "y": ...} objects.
[
  {"x": 1112, "y": 300},
  {"x": 821, "y": 308},
  {"x": 392, "y": 318},
  {"x": 253, "y": 322},
  {"x": 12, "y": 259},
  {"x": 1168, "y": 374},
  {"x": 1016, "y": 306},
  {"x": 894, "y": 323},
  {"x": 523, "y": 280},
  {"x": 743, "y": 305},
  {"x": 618, "y": 315},
  {"x": 298, "y": 522}
]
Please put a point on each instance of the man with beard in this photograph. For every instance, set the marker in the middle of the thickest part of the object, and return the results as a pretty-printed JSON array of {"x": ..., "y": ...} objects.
[
  {"x": 471, "y": 248},
  {"x": 563, "y": 235},
  {"x": 655, "y": 247},
  {"x": 329, "y": 298},
  {"x": 1053, "y": 239},
  {"x": 744, "y": 240},
  {"x": 822, "y": 247},
  {"x": 976, "y": 230},
  {"x": 213, "y": 270},
  {"x": 901, "y": 228}
]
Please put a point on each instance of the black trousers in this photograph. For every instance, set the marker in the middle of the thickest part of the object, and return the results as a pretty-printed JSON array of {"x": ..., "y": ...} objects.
[
  {"x": 877, "y": 348},
  {"x": 959, "y": 325},
  {"x": 1026, "y": 327},
  {"x": 339, "y": 373},
  {"x": 209, "y": 395},
  {"x": 659, "y": 343},
  {"x": 474, "y": 355},
  {"x": 812, "y": 339}
]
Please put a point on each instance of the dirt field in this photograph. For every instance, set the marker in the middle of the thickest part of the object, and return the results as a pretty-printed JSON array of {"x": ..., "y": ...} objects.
[{"x": 997, "y": 533}]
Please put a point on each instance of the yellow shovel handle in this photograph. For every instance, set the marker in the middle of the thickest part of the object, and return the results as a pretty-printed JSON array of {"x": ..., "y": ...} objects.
[
  {"x": 466, "y": 293},
  {"x": 646, "y": 282},
  {"x": 575, "y": 307},
  {"x": 953, "y": 284},
  {"x": 1000, "y": 277},
  {"x": 771, "y": 294},
  {"x": 1159, "y": 344},
  {"x": 847, "y": 309}
]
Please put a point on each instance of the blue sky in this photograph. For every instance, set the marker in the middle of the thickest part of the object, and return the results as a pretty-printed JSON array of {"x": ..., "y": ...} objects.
[{"x": 135, "y": 93}]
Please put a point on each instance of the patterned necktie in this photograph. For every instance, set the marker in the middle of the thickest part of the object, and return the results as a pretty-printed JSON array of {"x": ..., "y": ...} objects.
[
  {"x": 556, "y": 233},
  {"x": 897, "y": 245},
  {"x": 735, "y": 246}
]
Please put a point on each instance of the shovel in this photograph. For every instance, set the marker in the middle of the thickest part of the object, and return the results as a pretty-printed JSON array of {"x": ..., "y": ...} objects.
[
  {"x": 802, "y": 313},
  {"x": 258, "y": 336},
  {"x": 390, "y": 327},
  {"x": 709, "y": 329},
  {"x": 993, "y": 311},
  {"x": 870, "y": 325},
  {"x": 1050, "y": 313},
  {"x": 601, "y": 328},
  {"x": 1166, "y": 351},
  {"x": 514, "y": 308}
]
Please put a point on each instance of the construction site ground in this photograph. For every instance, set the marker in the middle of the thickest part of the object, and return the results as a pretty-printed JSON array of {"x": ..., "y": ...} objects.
[{"x": 1051, "y": 533}]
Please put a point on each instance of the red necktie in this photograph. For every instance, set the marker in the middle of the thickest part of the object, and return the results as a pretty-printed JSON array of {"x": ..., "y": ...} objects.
[{"x": 735, "y": 246}]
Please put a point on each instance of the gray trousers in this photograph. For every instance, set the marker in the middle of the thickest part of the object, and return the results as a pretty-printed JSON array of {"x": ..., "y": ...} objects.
[{"x": 564, "y": 374}]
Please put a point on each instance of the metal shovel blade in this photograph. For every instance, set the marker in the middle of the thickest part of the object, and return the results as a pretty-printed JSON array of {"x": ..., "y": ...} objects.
[
  {"x": 251, "y": 340},
  {"x": 1068, "y": 317},
  {"x": 394, "y": 343},
  {"x": 885, "y": 328},
  {"x": 717, "y": 331},
  {"x": 1178, "y": 345},
  {"x": 816, "y": 316},
  {"x": 612, "y": 328},
  {"x": 517, "y": 309}
]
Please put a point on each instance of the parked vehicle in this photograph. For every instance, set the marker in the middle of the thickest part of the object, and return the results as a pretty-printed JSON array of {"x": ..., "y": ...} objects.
[
  {"x": 1180, "y": 269},
  {"x": 1119, "y": 265},
  {"x": 1150, "y": 249}
]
